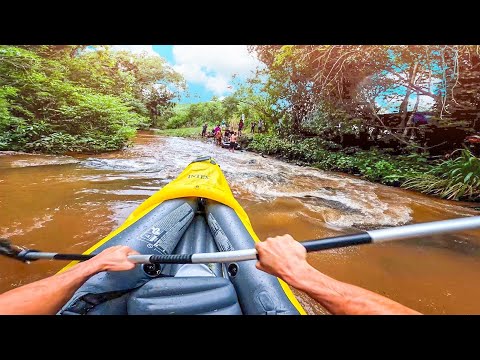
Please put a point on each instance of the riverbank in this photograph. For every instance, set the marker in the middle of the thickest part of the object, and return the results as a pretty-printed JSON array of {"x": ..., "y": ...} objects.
[
  {"x": 188, "y": 132},
  {"x": 457, "y": 178}
]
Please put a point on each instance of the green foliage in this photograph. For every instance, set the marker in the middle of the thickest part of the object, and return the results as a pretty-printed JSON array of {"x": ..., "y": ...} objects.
[
  {"x": 328, "y": 119},
  {"x": 211, "y": 112},
  {"x": 62, "y": 98},
  {"x": 191, "y": 132},
  {"x": 457, "y": 178},
  {"x": 337, "y": 90},
  {"x": 6, "y": 93},
  {"x": 191, "y": 115},
  {"x": 373, "y": 165}
]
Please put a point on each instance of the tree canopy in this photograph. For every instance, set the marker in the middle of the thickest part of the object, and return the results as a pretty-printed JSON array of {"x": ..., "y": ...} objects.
[
  {"x": 331, "y": 84},
  {"x": 79, "y": 98}
]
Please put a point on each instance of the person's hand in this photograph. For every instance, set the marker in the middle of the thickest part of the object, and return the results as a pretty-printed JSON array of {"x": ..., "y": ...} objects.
[
  {"x": 113, "y": 259},
  {"x": 283, "y": 257}
]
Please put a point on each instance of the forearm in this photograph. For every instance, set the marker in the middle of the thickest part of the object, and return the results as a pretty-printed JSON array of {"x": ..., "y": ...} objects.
[
  {"x": 47, "y": 296},
  {"x": 341, "y": 298}
]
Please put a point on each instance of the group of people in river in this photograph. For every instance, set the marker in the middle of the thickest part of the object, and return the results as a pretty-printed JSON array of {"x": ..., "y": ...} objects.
[{"x": 225, "y": 136}]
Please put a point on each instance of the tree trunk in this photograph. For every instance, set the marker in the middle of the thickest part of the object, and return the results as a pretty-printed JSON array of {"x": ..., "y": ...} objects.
[
  {"x": 404, "y": 105},
  {"x": 410, "y": 119}
]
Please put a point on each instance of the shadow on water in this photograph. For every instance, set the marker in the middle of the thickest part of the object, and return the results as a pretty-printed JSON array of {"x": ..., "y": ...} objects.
[{"x": 454, "y": 243}]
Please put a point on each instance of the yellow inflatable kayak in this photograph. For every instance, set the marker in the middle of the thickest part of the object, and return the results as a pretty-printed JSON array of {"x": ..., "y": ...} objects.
[{"x": 195, "y": 213}]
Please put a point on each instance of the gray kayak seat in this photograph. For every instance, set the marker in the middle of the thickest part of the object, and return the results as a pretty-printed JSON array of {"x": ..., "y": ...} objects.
[
  {"x": 193, "y": 291},
  {"x": 185, "y": 296}
]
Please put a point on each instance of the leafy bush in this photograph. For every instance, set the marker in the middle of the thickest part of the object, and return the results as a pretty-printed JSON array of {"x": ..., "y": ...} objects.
[
  {"x": 183, "y": 132},
  {"x": 53, "y": 99},
  {"x": 373, "y": 165},
  {"x": 192, "y": 115},
  {"x": 457, "y": 178}
]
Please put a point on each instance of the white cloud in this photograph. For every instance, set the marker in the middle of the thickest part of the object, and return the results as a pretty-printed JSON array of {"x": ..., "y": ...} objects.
[
  {"x": 209, "y": 65},
  {"x": 222, "y": 59},
  {"x": 218, "y": 85},
  {"x": 191, "y": 72},
  {"x": 136, "y": 49},
  {"x": 214, "y": 65}
]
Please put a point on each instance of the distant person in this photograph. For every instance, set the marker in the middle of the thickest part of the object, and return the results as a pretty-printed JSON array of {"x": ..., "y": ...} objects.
[
  {"x": 233, "y": 141},
  {"x": 226, "y": 136},
  {"x": 216, "y": 130},
  {"x": 228, "y": 132},
  {"x": 218, "y": 137},
  {"x": 224, "y": 125},
  {"x": 204, "y": 130},
  {"x": 260, "y": 126},
  {"x": 240, "y": 127},
  {"x": 420, "y": 118},
  {"x": 252, "y": 128}
]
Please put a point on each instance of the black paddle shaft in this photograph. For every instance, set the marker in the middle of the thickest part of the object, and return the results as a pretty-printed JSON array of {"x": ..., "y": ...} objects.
[
  {"x": 337, "y": 241},
  {"x": 31, "y": 255},
  {"x": 72, "y": 257}
]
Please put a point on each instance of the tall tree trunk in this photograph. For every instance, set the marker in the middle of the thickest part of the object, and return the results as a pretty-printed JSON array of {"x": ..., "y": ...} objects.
[
  {"x": 404, "y": 105},
  {"x": 410, "y": 119}
]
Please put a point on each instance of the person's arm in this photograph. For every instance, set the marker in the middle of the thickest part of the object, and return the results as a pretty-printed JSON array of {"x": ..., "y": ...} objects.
[
  {"x": 47, "y": 296},
  {"x": 285, "y": 258}
]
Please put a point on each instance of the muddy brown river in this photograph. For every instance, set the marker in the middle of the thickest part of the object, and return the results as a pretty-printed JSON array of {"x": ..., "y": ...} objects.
[{"x": 66, "y": 204}]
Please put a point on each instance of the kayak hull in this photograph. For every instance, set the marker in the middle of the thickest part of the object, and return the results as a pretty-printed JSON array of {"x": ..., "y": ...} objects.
[{"x": 168, "y": 223}]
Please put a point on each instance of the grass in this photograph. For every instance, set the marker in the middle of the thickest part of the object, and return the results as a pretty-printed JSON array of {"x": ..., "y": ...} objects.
[
  {"x": 191, "y": 132},
  {"x": 453, "y": 179}
]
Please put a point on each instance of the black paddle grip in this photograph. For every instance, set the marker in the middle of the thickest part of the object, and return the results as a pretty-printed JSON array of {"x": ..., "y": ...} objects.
[
  {"x": 171, "y": 259},
  {"x": 337, "y": 241}
]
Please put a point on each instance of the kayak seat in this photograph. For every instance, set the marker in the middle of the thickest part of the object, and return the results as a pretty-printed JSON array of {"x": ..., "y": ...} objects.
[{"x": 185, "y": 296}]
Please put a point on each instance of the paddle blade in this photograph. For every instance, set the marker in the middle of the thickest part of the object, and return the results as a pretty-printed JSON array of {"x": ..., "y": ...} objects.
[{"x": 8, "y": 249}]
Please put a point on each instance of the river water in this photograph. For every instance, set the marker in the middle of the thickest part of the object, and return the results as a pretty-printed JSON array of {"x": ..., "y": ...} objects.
[{"x": 66, "y": 204}]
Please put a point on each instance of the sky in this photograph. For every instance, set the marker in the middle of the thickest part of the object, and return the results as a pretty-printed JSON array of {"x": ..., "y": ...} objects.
[{"x": 208, "y": 69}]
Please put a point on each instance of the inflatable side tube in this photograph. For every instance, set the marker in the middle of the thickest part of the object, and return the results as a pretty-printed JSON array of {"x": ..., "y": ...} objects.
[
  {"x": 194, "y": 240},
  {"x": 200, "y": 234},
  {"x": 212, "y": 248},
  {"x": 159, "y": 231},
  {"x": 197, "y": 239},
  {"x": 258, "y": 292}
]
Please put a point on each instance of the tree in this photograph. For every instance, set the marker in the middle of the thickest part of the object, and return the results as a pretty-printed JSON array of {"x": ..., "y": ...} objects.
[
  {"x": 302, "y": 80},
  {"x": 79, "y": 98}
]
